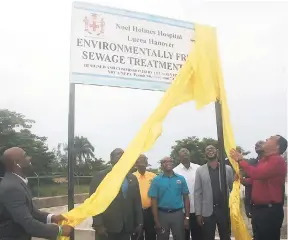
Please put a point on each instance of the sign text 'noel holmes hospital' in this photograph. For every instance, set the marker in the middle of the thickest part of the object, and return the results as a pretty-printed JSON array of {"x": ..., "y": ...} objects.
[{"x": 113, "y": 47}]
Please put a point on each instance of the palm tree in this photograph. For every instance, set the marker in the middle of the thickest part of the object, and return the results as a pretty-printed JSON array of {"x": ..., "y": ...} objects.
[{"x": 84, "y": 151}]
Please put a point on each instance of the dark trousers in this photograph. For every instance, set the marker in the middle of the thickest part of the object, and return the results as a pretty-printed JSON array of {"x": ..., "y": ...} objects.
[
  {"x": 217, "y": 218},
  {"x": 113, "y": 236},
  {"x": 267, "y": 221},
  {"x": 253, "y": 226},
  {"x": 148, "y": 227},
  {"x": 173, "y": 221},
  {"x": 195, "y": 230}
]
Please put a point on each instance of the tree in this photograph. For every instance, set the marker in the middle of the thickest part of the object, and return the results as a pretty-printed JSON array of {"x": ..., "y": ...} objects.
[
  {"x": 84, "y": 151},
  {"x": 84, "y": 156},
  {"x": 60, "y": 164},
  {"x": 15, "y": 132},
  {"x": 153, "y": 170},
  {"x": 196, "y": 147}
]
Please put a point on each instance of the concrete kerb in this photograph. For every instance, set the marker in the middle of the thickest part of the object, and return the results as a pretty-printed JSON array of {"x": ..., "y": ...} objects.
[
  {"x": 59, "y": 205},
  {"x": 49, "y": 202}
]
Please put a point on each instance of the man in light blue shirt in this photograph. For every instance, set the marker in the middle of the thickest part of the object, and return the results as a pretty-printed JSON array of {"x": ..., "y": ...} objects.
[{"x": 170, "y": 194}]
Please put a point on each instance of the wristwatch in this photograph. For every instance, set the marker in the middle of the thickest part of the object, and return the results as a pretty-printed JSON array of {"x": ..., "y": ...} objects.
[{"x": 187, "y": 218}]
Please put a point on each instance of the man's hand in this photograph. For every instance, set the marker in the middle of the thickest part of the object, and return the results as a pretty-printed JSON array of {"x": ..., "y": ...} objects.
[
  {"x": 237, "y": 156},
  {"x": 200, "y": 221},
  {"x": 66, "y": 230},
  {"x": 138, "y": 231},
  {"x": 57, "y": 219},
  {"x": 236, "y": 177},
  {"x": 186, "y": 224},
  {"x": 100, "y": 230},
  {"x": 158, "y": 227}
]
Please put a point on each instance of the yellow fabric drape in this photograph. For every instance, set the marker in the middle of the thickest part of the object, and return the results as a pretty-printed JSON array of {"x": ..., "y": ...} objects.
[{"x": 199, "y": 79}]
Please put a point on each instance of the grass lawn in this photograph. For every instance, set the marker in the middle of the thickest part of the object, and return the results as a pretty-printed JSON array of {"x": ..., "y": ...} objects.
[{"x": 51, "y": 190}]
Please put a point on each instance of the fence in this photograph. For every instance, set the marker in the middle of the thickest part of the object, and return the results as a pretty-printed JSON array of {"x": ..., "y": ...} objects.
[{"x": 56, "y": 185}]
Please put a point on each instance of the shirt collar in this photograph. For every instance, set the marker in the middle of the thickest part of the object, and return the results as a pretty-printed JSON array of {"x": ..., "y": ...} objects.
[
  {"x": 271, "y": 155},
  {"x": 183, "y": 167},
  {"x": 25, "y": 180},
  {"x": 140, "y": 175},
  {"x": 174, "y": 174},
  {"x": 213, "y": 168}
]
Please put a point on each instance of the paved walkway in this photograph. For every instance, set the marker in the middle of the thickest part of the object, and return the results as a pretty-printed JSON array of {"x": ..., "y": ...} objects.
[{"x": 84, "y": 233}]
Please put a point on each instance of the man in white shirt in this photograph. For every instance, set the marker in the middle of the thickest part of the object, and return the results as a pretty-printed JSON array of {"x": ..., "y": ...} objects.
[{"x": 188, "y": 171}]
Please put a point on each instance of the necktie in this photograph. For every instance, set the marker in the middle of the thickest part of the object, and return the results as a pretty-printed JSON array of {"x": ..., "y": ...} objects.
[{"x": 124, "y": 187}]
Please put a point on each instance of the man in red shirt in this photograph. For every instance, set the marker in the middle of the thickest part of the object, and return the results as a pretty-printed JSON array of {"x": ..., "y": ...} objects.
[{"x": 268, "y": 179}]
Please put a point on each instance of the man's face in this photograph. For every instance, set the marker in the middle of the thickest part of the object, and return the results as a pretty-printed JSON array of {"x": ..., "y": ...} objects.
[
  {"x": 117, "y": 154},
  {"x": 271, "y": 144},
  {"x": 210, "y": 152},
  {"x": 141, "y": 163},
  {"x": 259, "y": 147},
  {"x": 184, "y": 155},
  {"x": 24, "y": 162},
  {"x": 167, "y": 164}
]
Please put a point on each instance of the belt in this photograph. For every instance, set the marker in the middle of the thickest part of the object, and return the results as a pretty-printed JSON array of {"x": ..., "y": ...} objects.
[
  {"x": 270, "y": 205},
  {"x": 146, "y": 209},
  {"x": 166, "y": 210}
]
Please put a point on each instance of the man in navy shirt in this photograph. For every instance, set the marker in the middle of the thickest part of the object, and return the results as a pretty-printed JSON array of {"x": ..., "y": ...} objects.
[{"x": 169, "y": 194}]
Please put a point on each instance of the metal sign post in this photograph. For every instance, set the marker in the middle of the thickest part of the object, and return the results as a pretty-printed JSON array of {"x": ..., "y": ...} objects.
[
  {"x": 71, "y": 152},
  {"x": 221, "y": 157}
]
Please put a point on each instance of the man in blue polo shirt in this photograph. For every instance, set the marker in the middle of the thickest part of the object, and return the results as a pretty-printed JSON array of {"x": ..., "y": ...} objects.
[{"x": 169, "y": 194}]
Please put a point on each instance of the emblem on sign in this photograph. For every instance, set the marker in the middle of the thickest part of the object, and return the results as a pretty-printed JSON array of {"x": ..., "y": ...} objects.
[
  {"x": 94, "y": 24},
  {"x": 178, "y": 182}
]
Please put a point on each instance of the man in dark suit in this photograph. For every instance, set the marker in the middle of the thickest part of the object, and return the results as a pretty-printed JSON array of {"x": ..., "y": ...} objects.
[
  {"x": 248, "y": 186},
  {"x": 19, "y": 219},
  {"x": 124, "y": 215}
]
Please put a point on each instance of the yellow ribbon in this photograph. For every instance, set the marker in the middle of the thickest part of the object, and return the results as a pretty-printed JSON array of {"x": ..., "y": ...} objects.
[{"x": 199, "y": 79}]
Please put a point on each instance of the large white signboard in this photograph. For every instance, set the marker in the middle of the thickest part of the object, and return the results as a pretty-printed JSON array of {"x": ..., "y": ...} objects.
[{"x": 113, "y": 47}]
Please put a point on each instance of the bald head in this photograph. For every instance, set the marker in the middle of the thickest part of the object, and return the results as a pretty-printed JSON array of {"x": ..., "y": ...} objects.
[
  {"x": 15, "y": 158},
  {"x": 115, "y": 155},
  {"x": 12, "y": 155}
]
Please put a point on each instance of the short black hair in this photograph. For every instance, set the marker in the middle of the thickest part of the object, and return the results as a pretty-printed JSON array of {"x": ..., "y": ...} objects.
[
  {"x": 113, "y": 153},
  {"x": 282, "y": 143}
]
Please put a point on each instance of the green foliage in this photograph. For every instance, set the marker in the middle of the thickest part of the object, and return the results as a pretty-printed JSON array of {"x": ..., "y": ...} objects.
[
  {"x": 58, "y": 189},
  {"x": 60, "y": 163},
  {"x": 84, "y": 151},
  {"x": 15, "y": 132},
  {"x": 86, "y": 162},
  {"x": 196, "y": 147},
  {"x": 153, "y": 170}
]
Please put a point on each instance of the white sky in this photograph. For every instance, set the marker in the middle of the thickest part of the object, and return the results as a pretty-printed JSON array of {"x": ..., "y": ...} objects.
[{"x": 34, "y": 74}]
